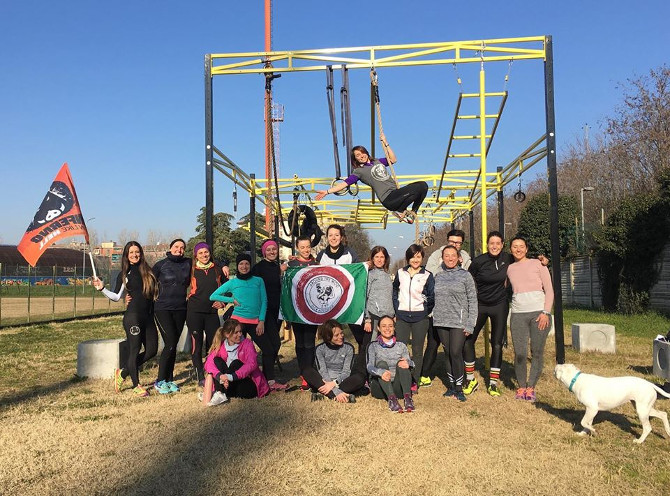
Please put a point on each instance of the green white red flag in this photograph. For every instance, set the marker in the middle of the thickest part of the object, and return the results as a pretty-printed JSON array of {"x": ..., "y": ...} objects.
[{"x": 316, "y": 293}]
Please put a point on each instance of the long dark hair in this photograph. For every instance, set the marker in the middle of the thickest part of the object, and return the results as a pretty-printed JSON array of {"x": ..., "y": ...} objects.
[
  {"x": 149, "y": 282},
  {"x": 359, "y": 148},
  {"x": 387, "y": 259}
]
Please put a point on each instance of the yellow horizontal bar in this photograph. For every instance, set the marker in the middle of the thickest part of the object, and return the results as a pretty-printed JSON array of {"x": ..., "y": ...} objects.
[
  {"x": 476, "y": 95},
  {"x": 487, "y": 116},
  {"x": 464, "y": 155},
  {"x": 466, "y": 137}
]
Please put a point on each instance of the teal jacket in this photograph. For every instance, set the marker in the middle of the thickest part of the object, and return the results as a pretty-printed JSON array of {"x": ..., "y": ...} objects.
[{"x": 250, "y": 294}]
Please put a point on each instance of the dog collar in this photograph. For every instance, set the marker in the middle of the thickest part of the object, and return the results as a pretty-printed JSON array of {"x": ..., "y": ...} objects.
[{"x": 574, "y": 379}]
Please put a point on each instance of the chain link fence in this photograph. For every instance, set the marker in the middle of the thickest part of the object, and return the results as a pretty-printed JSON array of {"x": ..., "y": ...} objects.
[{"x": 43, "y": 294}]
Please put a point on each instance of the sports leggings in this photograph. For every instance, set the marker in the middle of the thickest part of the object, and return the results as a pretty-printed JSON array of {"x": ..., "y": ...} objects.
[
  {"x": 432, "y": 345},
  {"x": 272, "y": 326},
  {"x": 417, "y": 331},
  {"x": 363, "y": 339},
  {"x": 453, "y": 340},
  {"x": 241, "y": 388},
  {"x": 498, "y": 315},
  {"x": 399, "y": 386},
  {"x": 350, "y": 385},
  {"x": 268, "y": 343},
  {"x": 305, "y": 338},
  {"x": 523, "y": 325},
  {"x": 140, "y": 331},
  {"x": 199, "y": 322},
  {"x": 399, "y": 199},
  {"x": 170, "y": 324}
]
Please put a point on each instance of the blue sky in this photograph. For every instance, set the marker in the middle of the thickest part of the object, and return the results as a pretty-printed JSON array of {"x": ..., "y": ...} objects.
[{"x": 116, "y": 90}]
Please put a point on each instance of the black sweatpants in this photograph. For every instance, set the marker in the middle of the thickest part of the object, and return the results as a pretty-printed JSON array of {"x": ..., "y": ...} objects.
[
  {"x": 305, "y": 339},
  {"x": 272, "y": 327},
  {"x": 200, "y": 323},
  {"x": 413, "y": 193},
  {"x": 140, "y": 332},
  {"x": 498, "y": 315},
  {"x": 170, "y": 324},
  {"x": 350, "y": 385},
  {"x": 399, "y": 386},
  {"x": 268, "y": 344},
  {"x": 453, "y": 340},
  {"x": 241, "y": 388}
]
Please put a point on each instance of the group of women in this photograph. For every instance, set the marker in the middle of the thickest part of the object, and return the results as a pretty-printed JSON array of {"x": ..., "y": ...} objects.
[{"x": 450, "y": 303}]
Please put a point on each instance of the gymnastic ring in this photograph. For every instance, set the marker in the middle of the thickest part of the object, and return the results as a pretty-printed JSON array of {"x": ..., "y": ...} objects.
[
  {"x": 352, "y": 189},
  {"x": 519, "y": 196}
]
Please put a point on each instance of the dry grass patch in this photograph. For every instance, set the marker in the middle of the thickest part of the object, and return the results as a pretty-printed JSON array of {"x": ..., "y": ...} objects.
[{"x": 66, "y": 436}]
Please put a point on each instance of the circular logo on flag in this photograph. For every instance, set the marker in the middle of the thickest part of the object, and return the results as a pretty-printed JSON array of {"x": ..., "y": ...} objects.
[{"x": 322, "y": 293}]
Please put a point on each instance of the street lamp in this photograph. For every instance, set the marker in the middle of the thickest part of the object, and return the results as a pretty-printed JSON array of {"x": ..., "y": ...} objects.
[
  {"x": 585, "y": 188},
  {"x": 83, "y": 264}
]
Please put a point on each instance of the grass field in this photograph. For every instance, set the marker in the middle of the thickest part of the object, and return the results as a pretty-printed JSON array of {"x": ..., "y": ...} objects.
[{"x": 64, "y": 435}]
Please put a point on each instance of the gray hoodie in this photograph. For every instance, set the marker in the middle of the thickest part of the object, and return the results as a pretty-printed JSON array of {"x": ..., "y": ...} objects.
[{"x": 455, "y": 299}]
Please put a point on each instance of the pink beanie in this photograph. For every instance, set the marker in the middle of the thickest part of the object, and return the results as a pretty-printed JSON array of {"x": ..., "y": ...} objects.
[{"x": 267, "y": 243}]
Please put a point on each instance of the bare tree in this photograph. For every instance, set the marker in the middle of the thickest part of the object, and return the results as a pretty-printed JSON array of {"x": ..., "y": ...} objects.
[{"x": 125, "y": 235}]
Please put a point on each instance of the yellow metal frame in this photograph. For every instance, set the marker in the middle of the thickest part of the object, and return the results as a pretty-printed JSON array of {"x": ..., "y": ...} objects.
[{"x": 451, "y": 192}]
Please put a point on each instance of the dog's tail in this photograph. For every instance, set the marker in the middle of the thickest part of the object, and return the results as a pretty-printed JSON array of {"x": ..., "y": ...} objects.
[{"x": 660, "y": 391}]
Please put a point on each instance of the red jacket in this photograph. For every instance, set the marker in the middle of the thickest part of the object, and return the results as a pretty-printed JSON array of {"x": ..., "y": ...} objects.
[{"x": 247, "y": 355}]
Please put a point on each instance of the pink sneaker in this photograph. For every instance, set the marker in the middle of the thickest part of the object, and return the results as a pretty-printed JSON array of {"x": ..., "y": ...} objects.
[
  {"x": 520, "y": 394},
  {"x": 530, "y": 394}
]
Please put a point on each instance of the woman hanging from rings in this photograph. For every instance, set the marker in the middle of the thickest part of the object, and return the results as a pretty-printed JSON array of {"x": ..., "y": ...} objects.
[{"x": 373, "y": 172}]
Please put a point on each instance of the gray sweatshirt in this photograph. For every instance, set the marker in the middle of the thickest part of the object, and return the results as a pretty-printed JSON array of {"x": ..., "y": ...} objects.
[
  {"x": 334, "y": 362},
  {"x": 391, "y": 355},
  {"x": 455, "y": 299},
  {"x": 379, "y": 294}
]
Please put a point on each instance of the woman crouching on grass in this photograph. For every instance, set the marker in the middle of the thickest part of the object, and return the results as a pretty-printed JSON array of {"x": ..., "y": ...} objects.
[
  {"x": 389, "y": 366},
  {"x": 231, "y": 367},
  {"x": 332, "y": 376}
]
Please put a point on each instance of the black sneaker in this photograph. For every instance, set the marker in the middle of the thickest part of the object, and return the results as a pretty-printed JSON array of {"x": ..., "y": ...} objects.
[
  {"x": 352, "y": 398},
  {"x": 316, "y": 397}
]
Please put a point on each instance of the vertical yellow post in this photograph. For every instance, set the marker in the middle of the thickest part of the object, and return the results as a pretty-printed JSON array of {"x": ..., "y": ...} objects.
[
  {"x": 482, "y": 180},
  {"x": 482, "y": 150}
]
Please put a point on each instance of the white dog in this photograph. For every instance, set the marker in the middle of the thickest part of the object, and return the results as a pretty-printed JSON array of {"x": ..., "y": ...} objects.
[{"x": 605, "y": 393}]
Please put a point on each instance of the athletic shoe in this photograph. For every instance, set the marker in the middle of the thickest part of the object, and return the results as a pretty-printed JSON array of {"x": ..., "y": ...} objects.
[
  {"x": 394, "y": 406},
  {"x": 449, "y": 393},
  {"x": 162, "y": 387},
  {"x": 414, "y": 388},
  {"x": 303, "y": 385},
  {"x": 471, "y": 387},
  {"x": 200, "y": 395},
  {"x": 118, "y": 379},
  {"x": 352, "y": 398},
  {"x": 425, "y": 382},
  {"x": 277, "y": 386},
  {"x": 409, "y": 403},
  {"x": 173, "y": 387},
  {"x": 530, "y": 394},
  {"x": 520, "y": 394},
  {"x": 316, "y": 397},
  {"x": 217, "y": 398},
  {"x": 493, "y": 390},
  {"x": 140, "y": 392},
  {"x": 460, "y": 396},
  {"x": 201, "y": 383}
]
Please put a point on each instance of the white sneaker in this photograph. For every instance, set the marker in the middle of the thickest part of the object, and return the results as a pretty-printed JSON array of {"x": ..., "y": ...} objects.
[
  {"x": 200, "y": 396},
  {"x": 217, "y": 398}
]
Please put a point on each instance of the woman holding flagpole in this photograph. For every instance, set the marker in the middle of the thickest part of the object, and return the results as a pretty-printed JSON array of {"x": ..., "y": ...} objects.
[{"x": 137, "y": 280}]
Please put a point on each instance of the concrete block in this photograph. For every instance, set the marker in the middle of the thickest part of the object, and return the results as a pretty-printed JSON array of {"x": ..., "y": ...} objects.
[
  {"x": 98, "y": 358},
  {"x": 184, "y": 344},
  {"x": 662, "y": 359},
  {"x": 594, "y": 337}
]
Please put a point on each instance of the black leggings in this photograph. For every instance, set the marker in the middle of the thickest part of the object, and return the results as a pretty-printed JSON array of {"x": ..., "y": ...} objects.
[
  {"x": 140, "y": 331},
  {"x": 430, "y": 355},
  {"x": 269, "y": 344},
  {"x": 453, "y": 340},
  {"x": 170, "y": 323},
  {"x": 400, "y": 199},
  {"x": 198, "y": 322},
  {"x": 305, "y": 338},
  {"x": 350, "y": 385},
  {"x": 363, "y": 339},
  {"x": 399, "y": 386},
  {"x": 241, "y": 388},
  {"x": 498, "y": 315}
]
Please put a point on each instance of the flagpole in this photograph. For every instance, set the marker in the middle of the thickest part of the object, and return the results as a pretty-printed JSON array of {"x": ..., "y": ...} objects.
[{"x": 90, "y": 255}]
